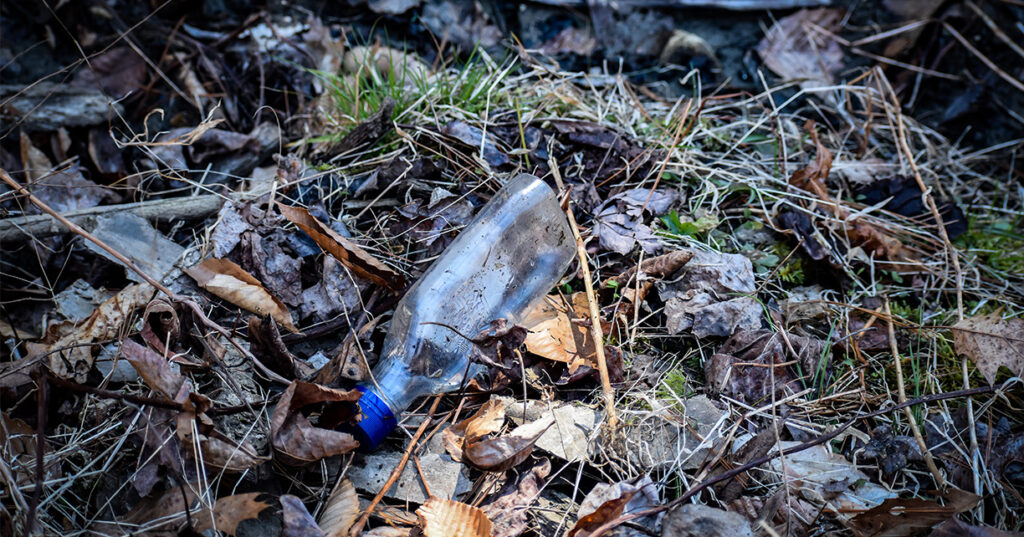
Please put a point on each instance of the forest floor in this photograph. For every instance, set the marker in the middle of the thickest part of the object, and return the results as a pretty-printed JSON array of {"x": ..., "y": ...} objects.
[{"x": 797, "y": 306}]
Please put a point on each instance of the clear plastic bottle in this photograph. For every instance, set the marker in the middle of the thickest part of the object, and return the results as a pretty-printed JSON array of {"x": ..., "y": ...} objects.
[{"x": 505, "y": 260}]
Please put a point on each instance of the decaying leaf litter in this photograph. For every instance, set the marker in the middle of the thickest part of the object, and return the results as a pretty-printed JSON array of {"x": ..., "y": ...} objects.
[{"x": 768, "y": 267}]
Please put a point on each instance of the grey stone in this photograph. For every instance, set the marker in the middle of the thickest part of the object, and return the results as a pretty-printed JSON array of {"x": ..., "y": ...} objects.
[
  {"x": 695, "y": 520},
  {"x": 569, "y": 438},
  {"x": 77, "y": 302},
  {"x": 133, "y": 237},
  {"x": 113, "y": 367},
  {"x": 668, "y": 439},
  {"x": 445, "y": 477}
]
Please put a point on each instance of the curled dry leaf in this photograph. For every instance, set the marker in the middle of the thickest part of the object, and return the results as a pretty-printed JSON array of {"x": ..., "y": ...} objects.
[
  {"x": 295, "y": 439},
  {"x": 341, "y": 510},
  {"x": 297, "y": 520},
  {"x": 232, "y": 283},
  {"x": 449, "y": 518},
  {"x": 488, "y": 419},
  {"x": 504, "y": 452},
  {"x": 228, "y": 512},
  {"x": 70, "y": 346},
  {"x": 353, "y": 256},
  {"x": 161, "y": 515},
  {"x": 991, "y": 342},
  {"x": 156, "y": 372}
]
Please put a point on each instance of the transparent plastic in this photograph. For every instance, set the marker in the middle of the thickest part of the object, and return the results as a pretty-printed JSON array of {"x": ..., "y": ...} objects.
[{"x": 501, "y": 264}]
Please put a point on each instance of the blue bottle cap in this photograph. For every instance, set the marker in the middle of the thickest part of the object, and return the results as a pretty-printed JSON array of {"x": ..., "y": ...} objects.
[{"x": 377, "y": 420}]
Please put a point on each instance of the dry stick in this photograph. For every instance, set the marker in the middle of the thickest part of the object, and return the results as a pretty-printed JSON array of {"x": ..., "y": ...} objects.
[
  {"x": 37, "y": 494},
  {"x": 928, "y": 459},
  {"x": 977, "y": 53},
  {"x": 950, "y": 251},
  {"x": 192, "y": 304},
  {"x": 357, "y": 528},
  {"x": 608, "y": 526},
  {"x": 595, "y": 314}
]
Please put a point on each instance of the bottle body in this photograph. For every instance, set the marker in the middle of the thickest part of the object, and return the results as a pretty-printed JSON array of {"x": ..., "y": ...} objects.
[{"x": 498, "y": 267}]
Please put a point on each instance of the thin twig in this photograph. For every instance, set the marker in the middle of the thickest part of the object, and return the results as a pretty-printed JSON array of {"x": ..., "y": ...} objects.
[
  {"x": 357, "y": 528},
  {"x": 928, "y": 459},
  {"x": 595, "y": 314}
]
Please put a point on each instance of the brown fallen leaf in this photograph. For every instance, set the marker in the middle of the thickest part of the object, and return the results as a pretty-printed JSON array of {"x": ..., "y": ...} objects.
[
  {"x": 488, "y": 419},
  {"x": 228, "y": 512},
  {"x": 795, "y": 50},
  {"x": 991, "y": 342},
  {"x": 507, "y": 510},
  {"x": 606, "y": 501},
  {"x": 231, "y": 282},
  {"x": 903, "y": 517},
  {"x": 162, "y": 515},
  {"x": 297, "y": 520},
  {"x": 117, "y": 71},
  {"x": 955, "y": 528},
  {"x": 449, "y": 518},
  {"x": 340, "y": 511},
  {"x": 219, "y": 452},
  {"x": 554, "y": 335},
  {"x": 504, "y": 452},
  {"x": 608, "y": 511},
  {"x": 70, "y": 346},
  {"x": 353, "y": 256},
  {"x": 295, "y": 439},
  {"x": 156, "y": 371},
  {"x": 266, "y": 344},
  {"x": 871, "y": 238},
  {"x": 18, "y": 448}
]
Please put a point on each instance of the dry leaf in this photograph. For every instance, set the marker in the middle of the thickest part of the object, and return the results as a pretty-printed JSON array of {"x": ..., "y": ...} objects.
[
  {"x": 903, "y": 517},
  {"x": 295, "y": 439},
  {"x": 18, "y": 448},
  {"x": 507, "y": 510},
  {"x": 449, "y": 518},
  {"x": 156, "y": 372},
  {"x": 955, "y": 528},
  {"x": 554, "y": 335},
  {"x": 71, "y": 347},
  {"x": 608, "y": 510},
  {"x": 219, "y": 452},
  {"x": 340, "y": 511},
  {"x": 297, "y": 520},
  {"x": 504, "y": 452},
  {"x": 990, "y": 342},
  {"x": 266, "y": 344},
  {"x": 229, "y": 512},
  {"x": 168, "y": 508},
  {"x": 795, "y": 49},
  {"x": 231, "y": 282},
  {"x": 347, "y": 252},
  {"x": 488, "y": 419}
]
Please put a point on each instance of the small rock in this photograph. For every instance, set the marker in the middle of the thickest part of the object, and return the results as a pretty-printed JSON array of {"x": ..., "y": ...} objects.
[
  {"x": 660, "y": 441},
  {"x": 114, "y": 368},
  {"x": 695, "y": 520},
  {"x": 444, "y": 476},
  {"x": 77, "y": 302},
  {"x": 569, "y": 438},
  {"x": 136, "y": 239}
]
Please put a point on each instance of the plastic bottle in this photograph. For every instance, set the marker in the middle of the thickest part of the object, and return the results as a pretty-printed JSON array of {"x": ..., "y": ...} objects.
[{"x": 504, "y": 261}]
